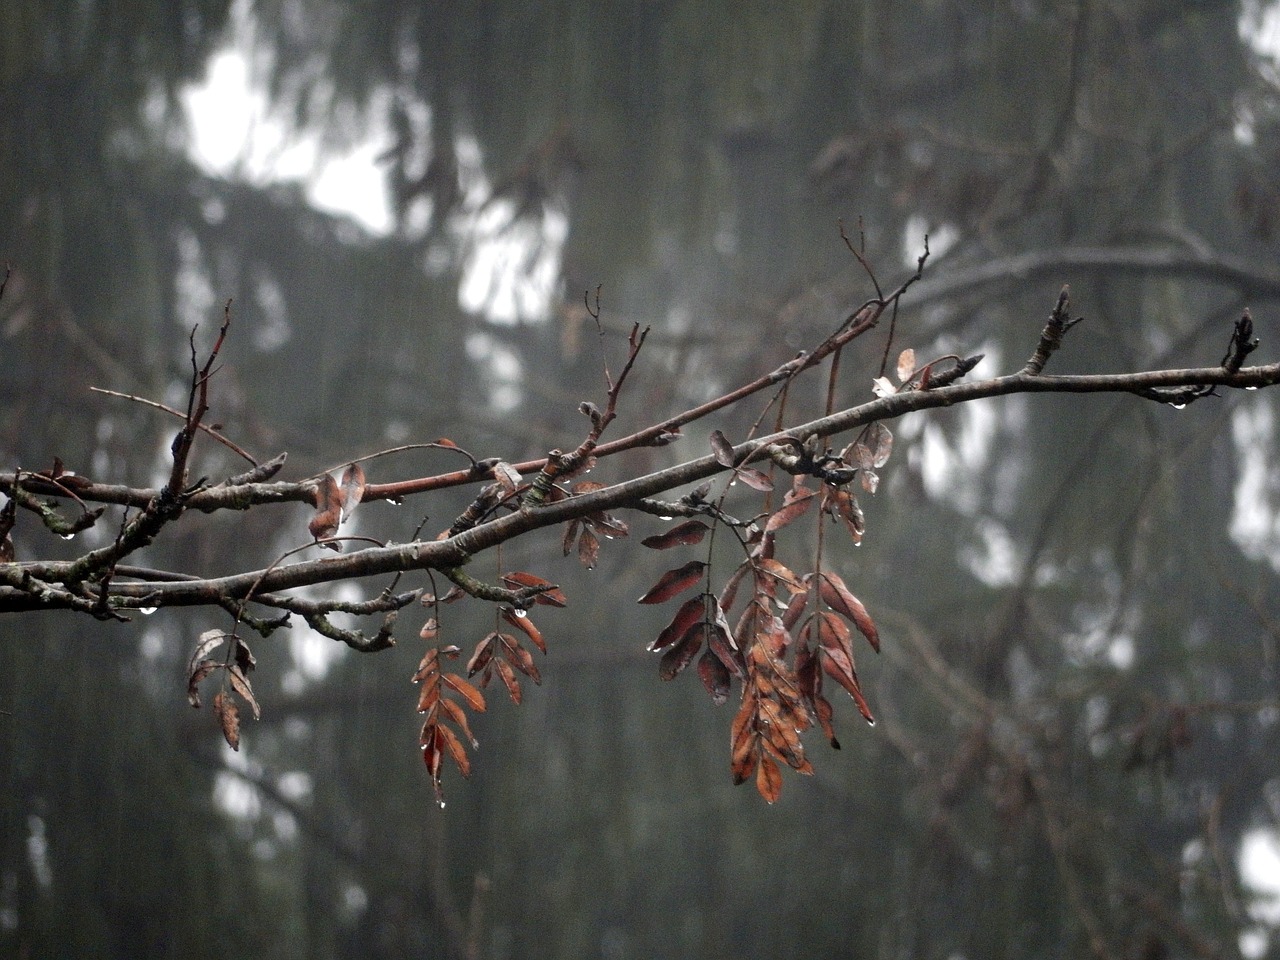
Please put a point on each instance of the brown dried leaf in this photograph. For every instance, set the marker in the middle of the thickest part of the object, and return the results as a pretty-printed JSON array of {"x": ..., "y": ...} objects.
[
  {"x": 729, "y": 593},
  {"x": 674, "y": 582},
  {"x": 454, "y": 748},
  {"x": 474, "y": 698},
  {"x": 198, "y": 673},
  {"x": 519, "y": 657},
  {"x": 790, "y": 512},
  {"x": 906, "y": 365},
  {"x": 609, "y": 526},
  {"x": 552, "y": 596},
  {"x": 682, "y": 654},
  {"x": 768, "y": 779},
  {"x": 509, "y": 679},
  {"x": 870, "y": 481},
  {"x": 228, "y": 716},
  {"x": 775, "y": 570},
  {"x": 328, "y": 501},
  {"x": 570, "y": 535},
  {"x": 352, "y": 489},
  {"x": 459, "y": 717},
  {"x": 204, "y": 646},
  {"x": 682, "y": 535},
  {"x": 690, "y": 612},
  {"x": 506, "y": 475},
  {"x": 240, "y": 684},
  {"x": 429, "y": 665},
  {"x": 430, "y": 630},
  {"x": 715, "y": 677},
  {"x": 836, "y": 595},
  {"x": 839, "y": 667},
  {"x": 755, "y": 479},
  {"x": 588, "y": 548},
  {"x": 525, "y": 624},
  {"x": 482, "y": 655},
  {"x": 880, "y": 442}
]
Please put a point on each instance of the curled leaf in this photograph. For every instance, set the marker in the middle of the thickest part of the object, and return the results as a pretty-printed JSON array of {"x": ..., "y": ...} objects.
[
  {"x": 352, "y": 488},
  {"x": 836, "y": 595},
  {"x": 682, "y": 535},
  {"x": 228, "y": 717},
  {"x": 328, "y": 515}
]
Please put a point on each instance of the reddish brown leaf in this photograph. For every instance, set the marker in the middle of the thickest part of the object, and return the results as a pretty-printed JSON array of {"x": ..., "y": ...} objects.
[
  {"x": 459, "y": 717},
  {"x": 838, "y": 666},
  {"x": 519, "y": 657},
  {"x": 352, "y": 489},
  {"x": 586, "y": 486},
  {"x": 588, "y": 548},
  {"x": 447, "y": 739},
  {"x": 429, "y": 665},
  {"x": 674, "y": 582},
  {"x": 551, "y": 596},
  {"x": 482, "y": 655},
  {"x": 525, "y": 624},
  {"x": 690, "y": 612},
  {"x": 430, "y": 629},
  {"x": 328, "y": 501},
  {"x": 768, "y": 779},
  {"x": 682, "y": 654},
  {"x": 474, "y": 698},
  {"x": 507, "y": 475},
  {"x": 729, "y": 593},
  {"x": 682, "y": 535},
  {"x": 790, "y": 512},
  {"x": 509, "y": 679},
  {"x": 228, "y": 716},
  {"x": 906, "y": 365},
  {"x": 715, "y": 677},
  {"x": 836, "y": 595},
  {"x": 795, "y": 609},
  {"x": 774, "y": 570}
]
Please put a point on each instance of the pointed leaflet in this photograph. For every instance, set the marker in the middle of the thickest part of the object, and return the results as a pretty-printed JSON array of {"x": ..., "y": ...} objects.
[
  {"x": 525, "y": 624},
  {"x": 715, "y": 677},
  {"x": 509, "y": 678},
  {"x": 447, "y": 739},
  {"x": 682, "y": 535},
  {"x": 483, "y": 654},
  {"x": 240, "y": 684},
  {"x": 201, "y": 670},
  {"x": 798, "y": 503},
  {"x": 588, "y": 548},
  {"x": 690, "y": 612},
  {"x": 674, "y": 582},
  {"x": 836, "y": 595},
  {"x": 474, "y": 698},
  {"x": 680, "y": 656},
  {"x": 328, "y": 501},
  {"x": 204, "y": 646},
  {"x": 228, "y": 715},
  {"x": 352, "y": 490},
  {"x": 459, "y": 717},
  {"x": 570, "y": 534},
  {"x": 755, "y": 479},
  {"x": 836, "y": 656},
  {"x": 519, "y": 657},
  {"x": 768, "y": 779},
  {"x": 551, "y": 595}
]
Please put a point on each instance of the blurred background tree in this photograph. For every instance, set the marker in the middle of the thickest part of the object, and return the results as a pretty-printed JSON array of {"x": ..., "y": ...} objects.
[{"x": 1079, "y": 601}]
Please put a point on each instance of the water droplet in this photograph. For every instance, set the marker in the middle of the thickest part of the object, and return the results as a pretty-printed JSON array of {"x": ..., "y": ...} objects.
[
  {"x": 441, "y": 802},
  {"x": 520, "y": 613},
  {"x": 665, "y": 518},
  {"x": 1251, "y": 388},
  {"x": 1179, "y": 406},
  {"x": 67, "y": 536},
  {"x": 871, "y": 723},
  {"x": 147, "y": 611}
]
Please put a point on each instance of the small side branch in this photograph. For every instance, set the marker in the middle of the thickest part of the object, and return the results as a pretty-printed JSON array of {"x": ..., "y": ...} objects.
[{"x": 1051, "y": 337}]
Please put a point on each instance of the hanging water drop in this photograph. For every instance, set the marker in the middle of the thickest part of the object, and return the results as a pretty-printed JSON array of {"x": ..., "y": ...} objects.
[
  {"x": 1179, "y": 406},
  {"x": 147, "y": 611},
  {"x": 67, "y": 536},
  {"x": 520, "y": 613},
  {"x": 1251, "y": 388}
]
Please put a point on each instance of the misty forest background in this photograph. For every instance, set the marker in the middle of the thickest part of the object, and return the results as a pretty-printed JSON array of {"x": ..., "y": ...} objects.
[{"x": 1076, "y": 752}]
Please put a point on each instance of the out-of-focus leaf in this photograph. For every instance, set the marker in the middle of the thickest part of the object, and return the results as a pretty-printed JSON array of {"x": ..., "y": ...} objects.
[
  {"x": 228, "y": 716},
  {"x": 674, "y": 582},
  {"x": 681, "y": 535},
  {"x": 755, "y": 479},
  {"x": 715, "y": 677},
  {"x": 682, "y": 654},
  {"x": 906, "y": 365},
  {"x": 525, "y": 624},
  {"x": 883, "y": 387},
  {"x": 198, "y": 673},
  {"x": 588, "y": 548},
  {"x": 243, "y": 656},
  {"x": 870, "y": 480},
  {"x": 474, "y": 698},
  {"x": 352, "y": 489},
  {"x": 430, "y": 630},
  {"x": 507, "y": 475},
  {"x": 570, "y": 534}
]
